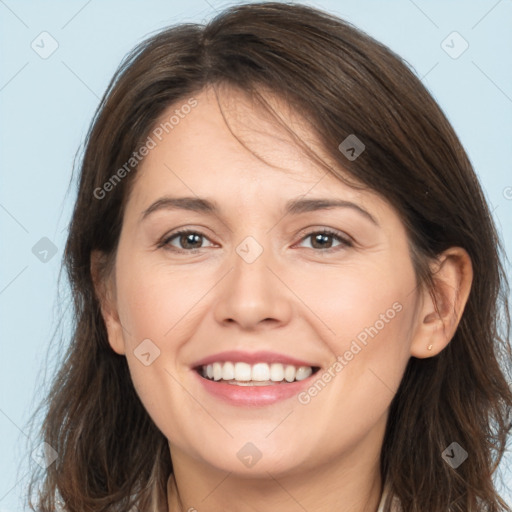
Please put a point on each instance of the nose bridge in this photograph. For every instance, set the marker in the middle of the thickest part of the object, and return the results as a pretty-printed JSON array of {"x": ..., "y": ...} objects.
[
  {"x": 250, "y": 249},
  {"x": 251, "y": 277},
  {"x": 252, "y": 293}
]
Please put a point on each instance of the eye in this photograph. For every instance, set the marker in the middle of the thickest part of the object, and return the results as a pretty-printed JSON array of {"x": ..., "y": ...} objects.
[
  {"x": 192, "y": 241},
  {"x": 189, "y": 241},
  {"x": 323, "y": 240}
]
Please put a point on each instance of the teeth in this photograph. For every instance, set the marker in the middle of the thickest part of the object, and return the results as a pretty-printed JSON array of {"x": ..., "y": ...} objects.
[
  {"x": 289, "y": 373},
  {"x": 217, "y": 371},
  {"x": 276, "y": 372},
  {"x": 303, "y": 372},
  {"x": 257, "y": 374},
  {"x": 242, "y": 371},
  {"x": 260, "y": 372},
  {"x": 228, "y": 371}
]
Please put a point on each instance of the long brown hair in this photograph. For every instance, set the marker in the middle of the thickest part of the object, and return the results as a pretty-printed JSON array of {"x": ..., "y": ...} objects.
[{"x": 111, "y": 455}]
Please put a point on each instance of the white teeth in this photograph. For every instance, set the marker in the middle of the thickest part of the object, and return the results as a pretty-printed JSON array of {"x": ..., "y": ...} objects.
[
  {"x": 242, "y": 371},
  {"x": 256, "y": 374},
  {"x": 260, "y": 372},
  {"x": 228, "y": 371},
  {"x": 303, "y": 372},
  {"x": 217, "y": 371},
  {"x": 289, "y": 373},
  {"x": 276, "y": 372}
]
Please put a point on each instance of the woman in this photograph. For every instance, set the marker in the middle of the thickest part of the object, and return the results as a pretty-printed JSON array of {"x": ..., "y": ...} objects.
[{"x": 286, "y": 282}]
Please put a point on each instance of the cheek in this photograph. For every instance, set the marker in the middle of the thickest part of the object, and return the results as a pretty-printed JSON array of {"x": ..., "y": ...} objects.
[
  {"x": 365, "y": 314},
  {"x": 160, "y": 308},
  {"x": 370, "y": 353},
  {"x": 157, "y": 301},
  {"x": 156, "y": 305},
  {"x": 355, "y": 301}
]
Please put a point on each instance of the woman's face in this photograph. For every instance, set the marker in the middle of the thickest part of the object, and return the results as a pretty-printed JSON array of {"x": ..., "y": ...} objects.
[{"x": 256, "y": 291}]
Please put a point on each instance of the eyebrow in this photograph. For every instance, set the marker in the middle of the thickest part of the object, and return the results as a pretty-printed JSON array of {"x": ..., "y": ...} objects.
[{"x": 292, "y": 207}]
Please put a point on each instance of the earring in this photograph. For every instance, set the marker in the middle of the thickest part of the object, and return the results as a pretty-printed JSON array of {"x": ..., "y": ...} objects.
[{"x": 429, "y": 347}]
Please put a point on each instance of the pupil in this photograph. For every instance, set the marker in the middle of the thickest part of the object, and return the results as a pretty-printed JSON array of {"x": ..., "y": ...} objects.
[
  {"x": 322, "y": 238},
  {"x": 185, "y": 239}
]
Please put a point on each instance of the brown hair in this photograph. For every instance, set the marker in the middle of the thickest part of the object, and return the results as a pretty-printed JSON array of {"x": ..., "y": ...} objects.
[{"x": 111, "y": 455}]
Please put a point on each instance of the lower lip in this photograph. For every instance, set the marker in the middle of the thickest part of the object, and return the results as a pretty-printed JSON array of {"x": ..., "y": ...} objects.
[{"x": 253, "y": 395}]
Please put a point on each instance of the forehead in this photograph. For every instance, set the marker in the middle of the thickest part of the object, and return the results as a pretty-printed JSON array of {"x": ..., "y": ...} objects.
[{"x": 231, "y": 147}]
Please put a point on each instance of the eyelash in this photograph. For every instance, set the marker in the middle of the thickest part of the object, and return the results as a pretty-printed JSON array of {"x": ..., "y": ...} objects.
[{"x": 164, "y": 243}]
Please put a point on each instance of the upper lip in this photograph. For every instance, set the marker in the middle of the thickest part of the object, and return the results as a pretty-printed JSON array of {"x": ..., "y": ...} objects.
[{"x": 251, "y": 358}]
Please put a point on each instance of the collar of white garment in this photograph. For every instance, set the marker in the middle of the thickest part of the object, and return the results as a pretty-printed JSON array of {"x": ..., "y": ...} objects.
[{"x": 395, "y": 506}]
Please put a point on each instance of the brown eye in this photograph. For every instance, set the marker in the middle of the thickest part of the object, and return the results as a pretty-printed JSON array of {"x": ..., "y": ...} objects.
[
  {"x": 188, "y": 241},
  {"x": 323, "y": 240}
]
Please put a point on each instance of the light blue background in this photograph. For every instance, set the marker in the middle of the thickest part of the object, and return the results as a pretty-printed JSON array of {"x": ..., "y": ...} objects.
[{"x": 47, "y": 105}]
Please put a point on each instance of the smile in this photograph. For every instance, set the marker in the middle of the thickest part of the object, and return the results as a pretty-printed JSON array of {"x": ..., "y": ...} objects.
[
  {"x": 259, "y": 374},
  {"x": 253, "y": 379}
]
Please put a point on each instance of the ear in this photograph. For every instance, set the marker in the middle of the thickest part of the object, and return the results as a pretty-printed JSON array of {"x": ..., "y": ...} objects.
[
  {"x": 442, "y": 308},
  {"x": 105, "y": 289}
]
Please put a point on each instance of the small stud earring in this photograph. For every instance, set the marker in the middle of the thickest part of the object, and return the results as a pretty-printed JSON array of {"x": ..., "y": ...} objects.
[{"x": 429, "y": 347}]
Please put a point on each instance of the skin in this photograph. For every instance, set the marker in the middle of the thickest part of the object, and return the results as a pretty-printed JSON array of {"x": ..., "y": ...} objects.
[{"x": 296, "y": 298}]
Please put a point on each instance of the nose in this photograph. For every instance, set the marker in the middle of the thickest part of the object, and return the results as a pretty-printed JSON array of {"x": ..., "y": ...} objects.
[{"x": 254, "y": 295}]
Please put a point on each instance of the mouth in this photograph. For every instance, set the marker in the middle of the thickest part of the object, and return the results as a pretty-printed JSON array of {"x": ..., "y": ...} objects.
[
  {"x": 239, "y": 373},
  {"x": 253, "y": 379}
]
